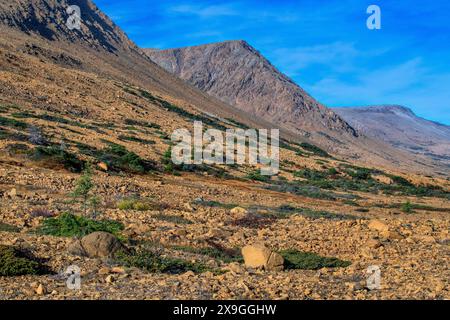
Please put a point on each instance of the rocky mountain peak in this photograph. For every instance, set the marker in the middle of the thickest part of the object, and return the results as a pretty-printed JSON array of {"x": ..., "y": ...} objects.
[
  {"x": 47, "y": 18},
  {"x": 236, "y": 73}
]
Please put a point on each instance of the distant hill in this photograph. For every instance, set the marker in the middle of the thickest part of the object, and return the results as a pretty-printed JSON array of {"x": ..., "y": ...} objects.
[{"x": 400, "y": 127}]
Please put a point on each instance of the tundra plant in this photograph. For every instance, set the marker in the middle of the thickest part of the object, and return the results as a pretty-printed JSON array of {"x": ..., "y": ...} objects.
[{"x": 236, "y": 146}]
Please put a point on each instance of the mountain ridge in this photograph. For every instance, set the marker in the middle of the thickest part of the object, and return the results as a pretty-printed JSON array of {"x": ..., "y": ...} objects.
[
  {"x": 402, "y": 128},
  {"x": 209, "y": 72}
]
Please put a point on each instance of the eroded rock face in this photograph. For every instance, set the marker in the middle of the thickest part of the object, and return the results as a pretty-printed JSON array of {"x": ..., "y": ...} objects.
[
  {"x": 96, "y": 245},
  {"x": 259, "y": 256},
  {"x": 238, "y": 74}
]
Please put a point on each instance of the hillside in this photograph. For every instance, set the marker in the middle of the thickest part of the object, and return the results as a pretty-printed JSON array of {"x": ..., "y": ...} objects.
[
  {"x": 239, "y": 75},
  {"x": 401, "y": 128},
  {"x": 86, "y": 181}
]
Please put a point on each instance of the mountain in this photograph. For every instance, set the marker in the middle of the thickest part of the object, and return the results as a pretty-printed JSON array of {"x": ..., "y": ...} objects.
[
  {"x": 239, "y": 75},
  {"x": 37, "y": 28},
  {"x": 91, "y": 99},
  {"x": 400, "y": 127},
  {"x": 35, "y": 38}
]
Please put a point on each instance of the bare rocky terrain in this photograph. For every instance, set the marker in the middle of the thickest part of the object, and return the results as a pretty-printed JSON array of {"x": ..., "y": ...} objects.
[
  {"x": 85, "y": 181},
  {"x": 239, "y": 75},
  {"x": 401, "y": 128}
]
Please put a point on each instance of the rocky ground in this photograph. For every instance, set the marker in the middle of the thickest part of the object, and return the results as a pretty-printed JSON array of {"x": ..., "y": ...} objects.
[
  {"x": 411, "y": 249},
  {"x": 57, "y": 114}
]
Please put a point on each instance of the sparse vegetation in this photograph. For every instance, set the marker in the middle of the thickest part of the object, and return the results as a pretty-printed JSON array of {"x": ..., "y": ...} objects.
[
  {"x": 136, "y": 139},
  {"x": 294, "y": 259},
  {"x": 118, "y": 158},
  {"x": 57, "y": 156},
  {"x": 286, "y": 211},
  {"x": 14, "y": 262},
  {"x": 315, "y": 150},
  {"x": 13, "y": 123},
  {"x": 257, "y": 176},
  {"x": 217, "y": 253},
  {"x": 153, "y": 262},
  {"x": 181, "y": 112},
  {"x": 5, "y": 227},
  {"x": 215, "y": 204},
  {"x": 70, "y": 225},
  {"x": 407, "y": 207},
  {"x": 133, "y": 204},
  {"x": 84, "y": 188},
  {"x": 132, "y": 122}
]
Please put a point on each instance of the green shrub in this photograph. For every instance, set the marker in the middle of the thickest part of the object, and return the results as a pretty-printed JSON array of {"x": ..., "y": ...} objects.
[
  {"x": 14, "y": 262},
  {"x": 286, "y": 211},
  {"x": 69, "y": 225},
  {"x": 118, "y": 158},
  {"x": 407, "y": 207},
  {"x": 83, "y": 188},
  {"x": 294, "y": 259},
  {"x": 53, "y": 155},
  {"x": 315, "y": 150},
  {"x": 257, "y": 176},
  {"x": 135, "y": 139},
  {"x": 133, "y": 204},
  {"x": 13, "y": 123},
  {"x": 153, "y": 262},
  {"x": 226, "y": 256}
]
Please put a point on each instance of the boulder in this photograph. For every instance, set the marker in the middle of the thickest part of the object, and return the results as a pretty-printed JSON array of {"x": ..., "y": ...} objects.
[
  {"x": 259, "y": 256},
  {"x": 97, "y": 245}
]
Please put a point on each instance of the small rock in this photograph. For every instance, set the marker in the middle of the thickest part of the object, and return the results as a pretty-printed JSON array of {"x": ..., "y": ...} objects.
[
  {"x": 110, "y": 279},
  {"x": 235, "y": 267},
  {"x": 118, "y": 270},
  {"x": 40, "y": 290},
  {"x": 13, "y": 192},
  {"x": 103, "y": 166},
  {"x": 238, "y": 212},
  {"x": 374, "y": 244},
  {"x": 103, "y": 270}
]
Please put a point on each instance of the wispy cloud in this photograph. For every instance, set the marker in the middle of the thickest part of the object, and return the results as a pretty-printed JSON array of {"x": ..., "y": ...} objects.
[{"x": 212, "y": 11}]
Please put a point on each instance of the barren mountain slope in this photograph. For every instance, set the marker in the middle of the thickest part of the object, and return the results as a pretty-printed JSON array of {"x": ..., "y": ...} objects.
[
  {"x": 400, "y": 127},
  {"x": 37, "y": 28},
  {"x": 239, "y": 75},
  {"x": 70, "y": 105}
]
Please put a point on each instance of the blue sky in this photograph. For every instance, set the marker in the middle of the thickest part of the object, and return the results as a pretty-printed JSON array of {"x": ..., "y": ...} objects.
[{"x": 324, "y": 46}]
